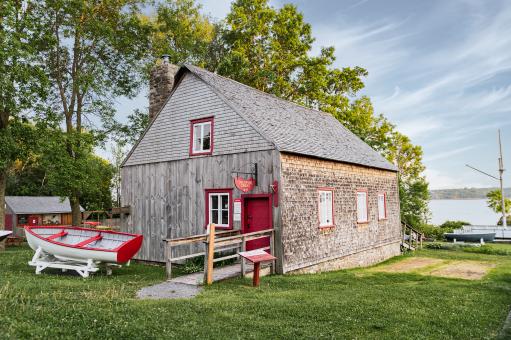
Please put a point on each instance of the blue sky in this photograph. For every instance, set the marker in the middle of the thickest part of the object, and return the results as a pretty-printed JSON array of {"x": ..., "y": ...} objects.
[{"x": 440, "y": 70}]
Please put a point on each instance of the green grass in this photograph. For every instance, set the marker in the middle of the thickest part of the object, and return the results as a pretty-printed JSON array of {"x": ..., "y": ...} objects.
[{"x": 354, "y": 304}]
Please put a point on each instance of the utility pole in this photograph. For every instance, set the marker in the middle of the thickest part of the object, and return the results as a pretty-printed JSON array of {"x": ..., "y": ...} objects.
[
  {"x": 501, "y": 172},
  {"x": 500, "y": 179}
]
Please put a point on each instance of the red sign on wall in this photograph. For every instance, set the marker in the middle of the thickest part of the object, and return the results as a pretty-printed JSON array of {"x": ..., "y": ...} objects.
[{"x": 243, "y": 184}]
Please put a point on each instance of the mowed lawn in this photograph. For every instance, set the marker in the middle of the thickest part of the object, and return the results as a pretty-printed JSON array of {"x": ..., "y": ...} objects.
[{"x": 352, "y": 304}]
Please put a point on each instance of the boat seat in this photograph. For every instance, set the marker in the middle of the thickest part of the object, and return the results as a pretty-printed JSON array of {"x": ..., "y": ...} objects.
[
  {"x": 89, "y": 240},
  {"x": 57, "y": 235}
]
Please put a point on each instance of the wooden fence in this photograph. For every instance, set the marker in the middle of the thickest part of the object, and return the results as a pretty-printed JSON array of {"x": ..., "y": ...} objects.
[{"x": 216, "y": 242}]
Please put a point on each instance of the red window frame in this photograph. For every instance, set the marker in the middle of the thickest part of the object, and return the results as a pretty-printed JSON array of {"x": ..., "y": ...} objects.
[
  {"x": 332, "y": 225},
  {"x": 367, "y": 205},
  {"x": 231, "y": 206},
  {"x": 211, "y": 142},
  {"x": 384, "y": 206}
]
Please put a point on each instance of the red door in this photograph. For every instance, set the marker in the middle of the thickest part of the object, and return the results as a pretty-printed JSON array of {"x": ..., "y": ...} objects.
[
  {"x": 33, "y": 220},
  {"x": 257, "y": 215},
  {"x": 8, "y": 222}
]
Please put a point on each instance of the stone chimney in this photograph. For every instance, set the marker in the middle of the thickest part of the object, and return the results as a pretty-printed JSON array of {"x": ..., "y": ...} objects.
[{"x": 160, "y": 85}]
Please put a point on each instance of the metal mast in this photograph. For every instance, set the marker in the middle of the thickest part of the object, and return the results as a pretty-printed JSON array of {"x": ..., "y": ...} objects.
[
  {"x": 501, "y": 175},
  {"x": 501, "y": 172}
]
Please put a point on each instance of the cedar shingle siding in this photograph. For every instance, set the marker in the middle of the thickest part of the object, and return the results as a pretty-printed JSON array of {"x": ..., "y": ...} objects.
[{"x": 305, "y": 244}]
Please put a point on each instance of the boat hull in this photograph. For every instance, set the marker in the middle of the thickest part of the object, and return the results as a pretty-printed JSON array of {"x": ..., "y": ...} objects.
[
  {"x": 470, "y": 237},
  {"x": 121, "y": 254}
]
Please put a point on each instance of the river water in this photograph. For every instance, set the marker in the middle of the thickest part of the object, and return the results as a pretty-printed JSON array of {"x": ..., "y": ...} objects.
[{"x": 473, "y": 211}]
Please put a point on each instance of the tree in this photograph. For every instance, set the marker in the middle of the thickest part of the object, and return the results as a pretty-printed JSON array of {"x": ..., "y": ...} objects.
[
  {"x": 97, "y": 52},
  {"x": 270, "y": 49},
  {"x": 494, "y": 201},
  {"x": 22, "y": 82},
  {"x": 181, "y": 32},
  {"x": 83, "y": 172}
]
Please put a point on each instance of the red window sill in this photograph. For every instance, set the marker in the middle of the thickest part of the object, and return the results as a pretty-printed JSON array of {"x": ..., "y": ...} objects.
[
  {"x": 327, "y": 227},
  {"x": 202, "y": 153},
  {"x": 220, "y": 228}
]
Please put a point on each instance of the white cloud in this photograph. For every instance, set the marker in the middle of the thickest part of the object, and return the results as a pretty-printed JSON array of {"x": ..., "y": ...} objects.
[{"x": 448, "y": 153}]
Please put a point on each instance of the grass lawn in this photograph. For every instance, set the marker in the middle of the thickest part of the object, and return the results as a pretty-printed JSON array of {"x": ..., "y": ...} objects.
[{"x": 354, "y": 304}]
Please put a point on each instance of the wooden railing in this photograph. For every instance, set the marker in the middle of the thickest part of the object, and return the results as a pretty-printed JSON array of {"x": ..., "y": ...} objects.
[
  {"x": 216, "y": 242},
  {"x": 411, "y": 238}
]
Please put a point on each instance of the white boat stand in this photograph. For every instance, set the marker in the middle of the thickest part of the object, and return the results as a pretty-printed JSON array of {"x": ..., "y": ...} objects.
[{"x": 41, "y": 261}]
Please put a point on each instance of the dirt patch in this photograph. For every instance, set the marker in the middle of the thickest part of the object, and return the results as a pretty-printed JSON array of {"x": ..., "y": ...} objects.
[
  {"x": 410, "y": 264},
  {"x": 468, "y": 270}
]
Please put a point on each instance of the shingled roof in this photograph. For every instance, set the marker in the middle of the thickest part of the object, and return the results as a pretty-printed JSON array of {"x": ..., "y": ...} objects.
[
  {"x": 293, "y": 128},
  {"x": 38, "y": 205}
]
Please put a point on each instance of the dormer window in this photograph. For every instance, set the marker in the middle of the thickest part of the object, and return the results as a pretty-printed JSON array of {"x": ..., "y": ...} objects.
[{"x": 201, "y": 136}]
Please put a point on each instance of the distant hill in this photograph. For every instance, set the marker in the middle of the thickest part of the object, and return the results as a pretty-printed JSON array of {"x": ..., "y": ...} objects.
[{"x": 465, "y": 193}]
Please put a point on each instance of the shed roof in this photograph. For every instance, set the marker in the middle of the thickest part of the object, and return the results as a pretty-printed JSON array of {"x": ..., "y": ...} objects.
[
  {"x": 38, "y": 205},
  {"x": 291, "y": 127}
]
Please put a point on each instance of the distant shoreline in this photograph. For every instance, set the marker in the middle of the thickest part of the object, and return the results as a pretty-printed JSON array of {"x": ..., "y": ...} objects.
[
  {"x": 457, "y": 199},
  {"x": 464, "y": 193}
]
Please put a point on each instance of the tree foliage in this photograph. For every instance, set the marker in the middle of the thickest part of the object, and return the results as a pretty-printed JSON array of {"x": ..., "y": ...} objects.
[
  {"x": 97, "y": 52},
  {"x": 83, "y": 172},
  {"x": 271, "y": 49},
  {"x": 180, "y": 31},
  {"x": 494, "y": 201},
  {"x": 22, "y": 82}
]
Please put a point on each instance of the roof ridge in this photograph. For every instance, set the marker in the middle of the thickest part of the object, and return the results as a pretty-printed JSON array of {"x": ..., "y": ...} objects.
[{"x": 261, "y": 91}]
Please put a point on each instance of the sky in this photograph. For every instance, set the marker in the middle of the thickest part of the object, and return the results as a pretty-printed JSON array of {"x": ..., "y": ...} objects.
[{"x": 439, "y": 70}]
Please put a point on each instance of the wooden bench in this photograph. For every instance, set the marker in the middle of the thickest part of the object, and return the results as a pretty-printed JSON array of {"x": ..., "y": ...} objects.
[{"x": 89, "y": 240}]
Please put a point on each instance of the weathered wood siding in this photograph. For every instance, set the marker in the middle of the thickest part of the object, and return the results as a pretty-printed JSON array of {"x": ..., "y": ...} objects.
[
  {"x": 172, "y": 194},
  {"x": 348, "y": 244},
  {"x": 168, "y": 138}
]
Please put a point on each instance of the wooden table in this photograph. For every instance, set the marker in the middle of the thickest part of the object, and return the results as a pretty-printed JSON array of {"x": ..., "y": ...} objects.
[{"x": 257, "y": 256}]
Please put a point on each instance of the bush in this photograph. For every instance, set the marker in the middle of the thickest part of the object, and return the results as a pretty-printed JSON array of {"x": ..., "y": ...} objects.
[
  {"x": 489, "y": 250},
  {"x": 436, "y": 233},
  {"x": 470, "y": 247},
  {"x": 451, "y": 225},
  {"x": 432, "y": 232}
]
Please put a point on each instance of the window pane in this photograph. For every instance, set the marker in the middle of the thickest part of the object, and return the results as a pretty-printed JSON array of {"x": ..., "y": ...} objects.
[
  {"x": 328, "y": 208},
  {"x": 361, "y": 207},
  {"x": 225, "y": 217},
  {"x": 214, "y": 201},
  {"x": 325, "y": 208},
  {"x": 381, "y": 206},
  {"x": 206, "y": 136},
  {"x": 197, "y": 137},
  {"x": 225, "y": 202},
  {"x": 214, "y": 216}
]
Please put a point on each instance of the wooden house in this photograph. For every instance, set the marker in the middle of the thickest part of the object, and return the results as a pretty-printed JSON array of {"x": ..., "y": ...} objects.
[
  {"x": 218, "y": 151},
  {"x": 36, "y": 210}
]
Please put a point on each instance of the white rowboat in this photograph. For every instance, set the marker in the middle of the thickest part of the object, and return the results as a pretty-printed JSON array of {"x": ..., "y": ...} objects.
[{"x": 80, "y": 249}]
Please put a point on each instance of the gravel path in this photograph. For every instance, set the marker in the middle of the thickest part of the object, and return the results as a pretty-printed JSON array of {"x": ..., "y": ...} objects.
[{"x": 169, "y": 290}]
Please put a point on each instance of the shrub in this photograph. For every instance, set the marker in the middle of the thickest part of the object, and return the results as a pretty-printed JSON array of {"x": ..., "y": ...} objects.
[
  {"x": 432, "y": 232},
  {"x": 451, "y": 225},
  {"x": 489, "y": 250}
]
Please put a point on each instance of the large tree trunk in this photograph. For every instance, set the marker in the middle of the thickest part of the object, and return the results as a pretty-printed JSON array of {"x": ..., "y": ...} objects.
[
  {"x": 3, "y": 183},
  {"x": 75, "y": 211}
]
